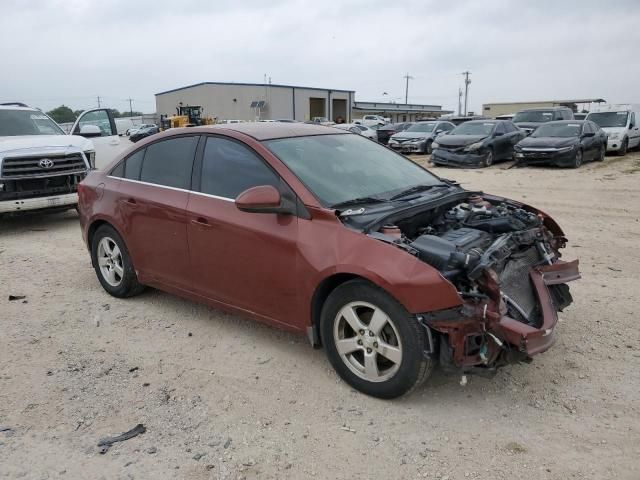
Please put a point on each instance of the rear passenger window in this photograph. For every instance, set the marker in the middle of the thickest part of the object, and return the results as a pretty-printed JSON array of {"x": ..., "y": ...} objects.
[
  {"x": 169, "y": 162},
  {"x": 132, "y": 165},
  {"x": 229, "y": 168},
  {"x": 500, "y": 128}
]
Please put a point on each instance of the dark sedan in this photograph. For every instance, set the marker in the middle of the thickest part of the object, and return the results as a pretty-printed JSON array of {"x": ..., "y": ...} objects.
[
  {"x": 143, "y": 133},
  {"x": 565, "y": 143},
  {"x": 477, "y": 143},
  {"x": 385, "y": 132}
]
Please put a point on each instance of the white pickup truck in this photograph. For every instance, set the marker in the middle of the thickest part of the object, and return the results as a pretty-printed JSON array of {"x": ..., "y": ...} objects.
[{"x": 41, "y": 166}]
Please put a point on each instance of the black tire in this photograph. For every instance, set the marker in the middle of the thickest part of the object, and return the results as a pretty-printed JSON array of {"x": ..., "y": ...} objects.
[
  {"x": 488, "y": 161},
  {"x": 404, "y": 330},
  {"x": 602, "y": 153},
  {"x": 577, "y": 160},
  {"x": 623, "y": 149},
  {"x": 128, "y": 284},
  {"x": 428, "y": 149}
]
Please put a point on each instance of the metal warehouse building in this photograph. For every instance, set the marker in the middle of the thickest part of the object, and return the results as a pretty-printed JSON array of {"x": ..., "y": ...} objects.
[
  {"x": 495, "y": 109},
  {"x": 254, "y": 101}
]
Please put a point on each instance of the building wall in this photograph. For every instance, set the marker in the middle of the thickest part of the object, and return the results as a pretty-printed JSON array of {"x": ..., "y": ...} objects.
[
  {"x": 494, "y": 109},
  {"x": 232, "y": 102}
]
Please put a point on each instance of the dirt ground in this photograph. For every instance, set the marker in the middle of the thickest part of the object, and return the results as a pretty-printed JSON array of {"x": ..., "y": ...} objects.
[{"x": 223, "y": 397}]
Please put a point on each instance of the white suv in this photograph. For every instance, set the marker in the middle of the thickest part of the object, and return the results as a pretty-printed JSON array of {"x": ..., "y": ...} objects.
[{"x": 40, "y": 165}]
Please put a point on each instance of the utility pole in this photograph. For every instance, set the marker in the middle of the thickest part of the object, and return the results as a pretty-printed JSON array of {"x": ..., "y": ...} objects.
[
  {"x": 406, "y": 91},
  {"x": 467, "y": 81},
  {"x": 98, "y": 101},
  {"x": 459, "y": 101},
  {"x": 130, "y": 107}
]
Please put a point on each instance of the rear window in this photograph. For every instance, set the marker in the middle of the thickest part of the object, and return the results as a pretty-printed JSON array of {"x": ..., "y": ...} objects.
[{"x": 169, "y": 162}]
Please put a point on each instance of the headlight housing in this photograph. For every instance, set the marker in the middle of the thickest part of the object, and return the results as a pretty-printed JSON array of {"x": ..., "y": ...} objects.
[
  {"x": 566, "y": 149},
  {"x": 614, "y": 136},
  {"x": 435, "y": 145},
  {"x": 474, "y": 146},
  {"x": 91, "y": 158}
]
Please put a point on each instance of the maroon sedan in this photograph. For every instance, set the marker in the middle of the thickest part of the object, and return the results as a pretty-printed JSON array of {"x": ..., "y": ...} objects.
[{"x": 312, "y": 229}]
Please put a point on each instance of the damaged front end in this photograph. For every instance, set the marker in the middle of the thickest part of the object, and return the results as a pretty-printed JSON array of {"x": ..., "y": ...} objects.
[{"x": 503, "y": 258}]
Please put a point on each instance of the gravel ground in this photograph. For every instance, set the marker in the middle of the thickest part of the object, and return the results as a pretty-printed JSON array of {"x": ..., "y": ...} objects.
[{"x": 223, "y": 397}]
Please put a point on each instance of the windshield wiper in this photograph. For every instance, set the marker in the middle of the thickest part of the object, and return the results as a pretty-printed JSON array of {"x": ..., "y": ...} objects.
[
  {"x": 415, "y": 189},
  {"x": 357, "y": 201}
]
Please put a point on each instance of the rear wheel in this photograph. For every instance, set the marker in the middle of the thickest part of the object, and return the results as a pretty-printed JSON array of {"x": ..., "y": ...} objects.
[
  {"x": 371, "y": 340},
  {"x": 112, "y": 263},
  {"x": 577, "y": 160}
]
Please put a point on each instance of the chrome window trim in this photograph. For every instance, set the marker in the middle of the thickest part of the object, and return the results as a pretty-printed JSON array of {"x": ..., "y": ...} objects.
[{"x": 226, "y": 199}]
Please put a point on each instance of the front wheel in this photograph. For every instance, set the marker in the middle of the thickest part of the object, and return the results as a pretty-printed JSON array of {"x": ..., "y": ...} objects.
[
  {"x": 623, "y": 149},
  {"x": 428, "y": 148},
  {"x": 577, "y": 160},
  {"x": 371, "y": 340},
  {"x": 488, "y": 161},
  {"x": 602, "y": 154}
]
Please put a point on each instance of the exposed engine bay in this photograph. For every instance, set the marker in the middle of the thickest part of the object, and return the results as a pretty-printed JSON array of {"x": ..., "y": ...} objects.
[{"x": 493, "y": 251}]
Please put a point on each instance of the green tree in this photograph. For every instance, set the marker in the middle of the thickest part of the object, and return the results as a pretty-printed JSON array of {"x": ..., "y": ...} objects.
[{"x": 62, "y": 114}]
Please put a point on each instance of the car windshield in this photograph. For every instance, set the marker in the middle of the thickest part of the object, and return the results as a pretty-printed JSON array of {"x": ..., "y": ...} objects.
[
  {"x": 558, "y": 130},
  {"x": 421, "y": 127},
  {"x": 27, "y": 122},
  {"x": 609, "y": 119},
  {"x": 474, "y": 128},
  {"x": 534, "y": 116},
  {"x": 338, "y": 168}
]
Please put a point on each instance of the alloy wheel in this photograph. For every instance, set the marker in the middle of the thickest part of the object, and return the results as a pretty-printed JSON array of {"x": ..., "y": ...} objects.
[
  {"x": 367, "y": 341},
  {"x": 577, "y": 161},
  {"x": 488, "y": 161},
  {"x": 110, "y": 261}
]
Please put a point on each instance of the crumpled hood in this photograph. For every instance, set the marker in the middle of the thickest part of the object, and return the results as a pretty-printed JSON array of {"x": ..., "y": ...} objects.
[
  {"x": 459, "y": 140},
  {"x": 47, "y": 143},
  {"x": 612, "y": 130},
  {"x": 405, "y": 135},
  {"x": 548, "y": 142}
]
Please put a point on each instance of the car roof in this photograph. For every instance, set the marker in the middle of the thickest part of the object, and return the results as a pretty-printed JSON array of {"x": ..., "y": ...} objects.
[
  {"x": 559, "y": 122},
  {"x": 17, "y": 107},
  {"x": 270, "y": 130},
  {"x": 488, "y": 120}
]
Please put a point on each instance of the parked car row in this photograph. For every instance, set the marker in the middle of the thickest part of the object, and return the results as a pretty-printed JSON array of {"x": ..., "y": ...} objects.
[{"x": 480, "y": 143}]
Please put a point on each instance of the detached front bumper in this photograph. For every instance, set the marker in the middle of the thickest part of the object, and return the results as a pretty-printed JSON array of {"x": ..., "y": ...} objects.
[
  {"x": 39, "y": 203},
  {"x": 510, "y": 338},
  {"x": 549, "y": 157},
  {"x": 458, "y": 159}
]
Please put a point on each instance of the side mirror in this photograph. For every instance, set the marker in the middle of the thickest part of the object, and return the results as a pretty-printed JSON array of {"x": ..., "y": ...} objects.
[
  {"x": 588, "y": 134},
  {"x": 498, "y": 134},
  {"x": 90, "y": 131},
  {"x": 262, "y": 199},
  {"x": 439, "y": 131}
]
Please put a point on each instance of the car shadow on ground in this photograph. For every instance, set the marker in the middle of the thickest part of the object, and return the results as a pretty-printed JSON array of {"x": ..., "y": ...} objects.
[{"x": 36, "y": 221}]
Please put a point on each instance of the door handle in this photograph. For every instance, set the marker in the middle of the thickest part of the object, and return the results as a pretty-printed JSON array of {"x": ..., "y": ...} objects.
[
  {"x": 131, "y": 202},
  {"x": 201, "y": 222}
]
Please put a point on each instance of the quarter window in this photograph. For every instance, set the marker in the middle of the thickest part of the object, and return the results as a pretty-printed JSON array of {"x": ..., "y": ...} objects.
[
  {"x": 133, "y": 165},
  {"x": 169, "y": 162},
  {"x": 229, "y": 168}
]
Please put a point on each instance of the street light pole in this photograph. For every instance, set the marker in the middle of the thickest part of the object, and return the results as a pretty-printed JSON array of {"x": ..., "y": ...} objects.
[{"x": 467, "y": 81}]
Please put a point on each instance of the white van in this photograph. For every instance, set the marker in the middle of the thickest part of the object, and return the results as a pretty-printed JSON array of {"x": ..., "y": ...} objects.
[{"x": 620, "y": 122}]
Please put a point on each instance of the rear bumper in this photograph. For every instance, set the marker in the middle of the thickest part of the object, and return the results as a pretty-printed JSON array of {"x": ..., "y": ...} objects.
[
  {"x": 39, "y": 203},
  {"x": 444, "y": 157}
]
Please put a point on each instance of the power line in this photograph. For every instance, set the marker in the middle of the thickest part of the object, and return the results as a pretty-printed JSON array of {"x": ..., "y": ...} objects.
[{"x": 406, "y": 91}]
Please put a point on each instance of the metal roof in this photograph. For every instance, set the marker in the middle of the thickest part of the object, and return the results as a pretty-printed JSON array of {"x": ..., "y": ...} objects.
[
  {"x": 560, "y": 102},
  {"x": 261, "y": 85}
]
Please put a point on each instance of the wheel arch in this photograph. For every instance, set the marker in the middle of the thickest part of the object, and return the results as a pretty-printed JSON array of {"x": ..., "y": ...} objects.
[
  {"x": 319, "y": 297},
  {"x": 95, "y": 225}
]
